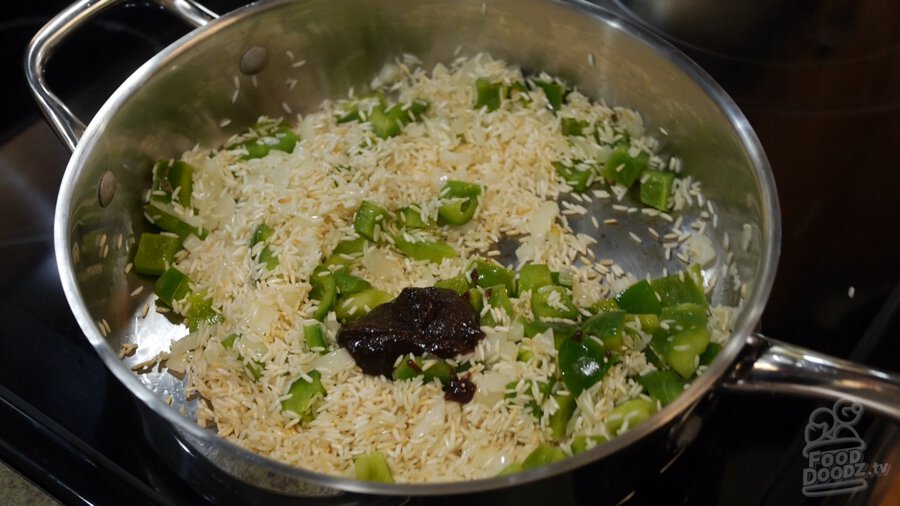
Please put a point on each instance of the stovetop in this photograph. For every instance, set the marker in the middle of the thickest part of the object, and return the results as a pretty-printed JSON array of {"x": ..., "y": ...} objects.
[{"x": 819, "y": 82}]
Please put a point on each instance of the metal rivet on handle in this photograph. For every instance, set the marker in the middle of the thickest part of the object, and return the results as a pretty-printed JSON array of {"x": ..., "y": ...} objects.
[
  {"x": 254, "y": 60},
  {"x": 106, "y": 190}
]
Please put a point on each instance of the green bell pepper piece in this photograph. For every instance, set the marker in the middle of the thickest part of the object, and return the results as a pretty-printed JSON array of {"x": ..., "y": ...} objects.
[
  {"x": 262, "y": 234},
  {"x": 348, "y": 284},
  {"x": 373, "y": 467},
  {"x": 622, "y": 168},
  {"x": 169, "y": 176},
  {"x": 368, "y": 216},
  {"x": 711, "y": 352},
  {"x": 541, "y": 456},
  {"x": 460, "y": 212},
  {"x": 488, "y": 94},
  {"x": 155, "y": 253},
  {"x": 685, "y": 316},
  {"x": 457, "y": 283},
  {"x": 639, "y": 298},
  {"x": 435, "y": 251},
  {"x": 608, "y": 328},
  {"x": 605, "y": 305},
  {"x": 476, "y": 299},
  {"x": 679, "y": 289},
  {"x": 572, "y": 126},
  {"x": 324, "y": 290},
  {"x": 201, "y": 312},
  {"x": 488, "y": 274},
  {"x": 684, "y": 349},
  {"x": 663, "y": 386},
  {"x": 656, "y": 188},
  {"x": 579, "y": 367},
  {"x": 359, "y": 304},
  {"x": 344, "y": 249},
  {"x": 497, "y": 296},
  {"x": 386, "y": 123},
  {"x": 534, "y": 276},
  {"x": 560, "y": 418},
  {"x": 579, "y": 176},
  {"x": 167, "y": 221},
  {"x": 411, "y": 217},
  {"x": 314, "y": 335},
  {"x": 580, "y": 443},
  {"x": 634, "y": 412},
  {"x": 303, "y": 395},
  {"x": 515, "y": 467},
  {"x": 541, "y": 307},
  {"x": 172, "y": 286},
  {"x": 278, "y": 136},
  {"x": 555, "y": 93}
]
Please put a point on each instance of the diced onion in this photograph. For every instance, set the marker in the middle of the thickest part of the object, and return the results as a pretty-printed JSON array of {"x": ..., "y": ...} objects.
[
  {"x": 333, "y": 363},
  {"x": 432, "y": 421}
]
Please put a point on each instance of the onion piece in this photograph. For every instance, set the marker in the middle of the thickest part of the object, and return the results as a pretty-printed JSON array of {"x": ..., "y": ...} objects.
[
  {"x": 432, "y": 421},
  {"x": 333, "y": 363}
]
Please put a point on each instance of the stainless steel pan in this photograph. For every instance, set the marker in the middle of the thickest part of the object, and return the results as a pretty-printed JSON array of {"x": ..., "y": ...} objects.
[{"x": 185, "y": 94}]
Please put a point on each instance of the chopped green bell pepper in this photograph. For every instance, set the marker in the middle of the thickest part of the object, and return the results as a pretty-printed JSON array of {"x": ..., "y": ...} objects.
[
  {"x": 201, "y": 312},
  {"x": 155, "y": 253},
  {"x": 564, "y": 307},
  {"x": 324, "y": 290},
  {"x": 633, "y": 412},
  {"x": 373, "y": 467},
  {"x": 159, "y": 215},
  {"x": 579, "y": 176},
  {"x": 656, "y": 188},
  {"x": 497, "y": 297},
  {"x": 388, "y": 123},
  {"x": 359, "y": 304},
  {"x": 457, "y": 283},
  {"x": 314, "y": 335},
  {"x": 172, "y": 286},
  {"x": 679, "y": 289},
  {"x": 344, "y": 249},
  {"x": 431, "y": 251},
  {"x": 459, "y": 212},
  {"x": 411, "y": 217},
  {"x": 663, "y": 386},
  {"x": 684, "y": 349},
  {"x": 169, "y": 176},
  {"x": 541, "y": 456},
  {"x": 534, "y": 276},
  {"x": 304, "y": 394},
  {"x": 555, "y": 93},
  {"x": 476, "y": 299},
  {"x": 261, "y": 235},
  {"x": 368, "y": 216},
  {"x": 560, "y": 418},
  {"x": 711, "y": 352},
  {"x": 488, "y": 274},
  {"x": 622, "y": 168},
  {"x": 579, "y": 367},
  {"x": 608, "y": 328},
  {"x": 580, "y": 443},
  {"x": 488, "y": 94},
  {"x": 684, "y": 316},
  {"x": 348, "y": 284},
  {"x": 639, "y": 298},
  {"x": 572, "y": 126}
]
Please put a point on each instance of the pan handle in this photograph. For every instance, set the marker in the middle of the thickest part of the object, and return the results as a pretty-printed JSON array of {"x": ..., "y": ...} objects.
[
  {"x": 776, "y": 367},
  {"x": 63, "y": 121}
]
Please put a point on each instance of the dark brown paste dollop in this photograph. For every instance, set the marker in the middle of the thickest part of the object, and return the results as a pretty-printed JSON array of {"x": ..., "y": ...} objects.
[{"x": 420, "y": 320}]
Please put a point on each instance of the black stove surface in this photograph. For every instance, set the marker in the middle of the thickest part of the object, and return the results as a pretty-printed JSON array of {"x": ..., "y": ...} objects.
[{"x": 819, "y": 82}]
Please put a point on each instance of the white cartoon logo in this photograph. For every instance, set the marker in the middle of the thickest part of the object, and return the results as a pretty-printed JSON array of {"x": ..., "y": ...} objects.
[{"x": 835, "y": 452}]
